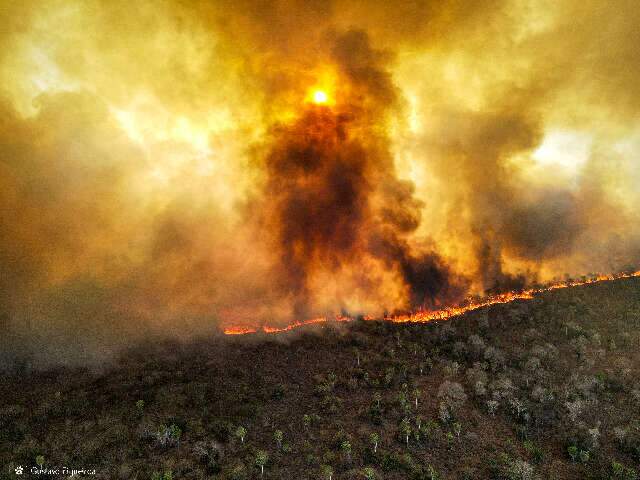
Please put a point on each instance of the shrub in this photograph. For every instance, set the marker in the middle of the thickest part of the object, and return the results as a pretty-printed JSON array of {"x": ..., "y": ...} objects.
[
  {"x": 494, "y": 357},
  {"x": 584, "y": 456},
  {"x": 168, "y": 436},
  {"x": 620, "y": 472},
  {"x": 167, "y": 475},
  {"x": 428, "y": 473},
  {"x": 629, "y": 442},
  {"x": 403, "y": 402},
  {"x": 480, "y": 389},
  {"x": 443, "y": 413},
  {"x": 520, "y": 470},
  {"x": 509, "y": 469},
  {"x": 572, "y": 450},
  {"x": 210, "y": 454},
  {"x": 278, "y": 392},
  {"x": 393, "y": 462},
  {"x": 535, "y": 451},
  {"x": 222, "y": 430},
  {"x": 451, "y": 369},
  {"x": 238, "y": 472},
  {"x": 502, "y": 388},
  {"x": 577, "y": 454},
  {"x": 369, "y": 473},
  {"x": 574, "y": 409},
  {"x": 476, "y": 344},
  {"x": 452, "y": 394}
]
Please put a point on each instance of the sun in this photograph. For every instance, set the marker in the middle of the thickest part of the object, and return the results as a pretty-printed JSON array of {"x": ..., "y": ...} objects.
[{"x": 320, "y": 97}]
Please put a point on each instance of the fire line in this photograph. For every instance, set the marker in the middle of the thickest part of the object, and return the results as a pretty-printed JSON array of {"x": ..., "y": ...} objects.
[{"x": 425, "y": 316}]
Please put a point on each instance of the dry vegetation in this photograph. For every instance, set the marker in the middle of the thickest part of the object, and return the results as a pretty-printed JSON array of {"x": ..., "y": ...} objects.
[{"x": 548, "y": 388}]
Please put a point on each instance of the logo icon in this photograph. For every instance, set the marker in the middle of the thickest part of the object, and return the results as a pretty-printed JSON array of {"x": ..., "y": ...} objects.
[{"x": 19, "y": 470}]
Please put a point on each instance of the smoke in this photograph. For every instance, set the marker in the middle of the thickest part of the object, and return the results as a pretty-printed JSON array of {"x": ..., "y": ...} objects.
[
  {"x": 164, "y": 172},
  {"x": 333, "y": 202}
]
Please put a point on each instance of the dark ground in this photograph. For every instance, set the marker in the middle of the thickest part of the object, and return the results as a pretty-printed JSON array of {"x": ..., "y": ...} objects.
[{"x": 563, "y": 371}]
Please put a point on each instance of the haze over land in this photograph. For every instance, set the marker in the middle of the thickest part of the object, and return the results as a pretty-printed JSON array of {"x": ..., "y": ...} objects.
[{"x": 165, "y": 169}]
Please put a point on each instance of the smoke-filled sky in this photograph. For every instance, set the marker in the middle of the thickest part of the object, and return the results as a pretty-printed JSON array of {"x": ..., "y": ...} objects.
[{"x": 164, "y": 168}]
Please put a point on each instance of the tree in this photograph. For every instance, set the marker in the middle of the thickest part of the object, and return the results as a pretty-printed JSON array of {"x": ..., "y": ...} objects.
[
  {"x": 278, "y": 436},
  {"x": 326, "y": 471},
  {"x": 416, "y": 394},
  {"x": 374, "y": 438},
  {"x": 241, "y": 432},
  {"x": 261, "y": 460},
  {"x": 405, "y": 428},
  {"x": 345, "y": 446},
  {"x": 306, "y": 421}
]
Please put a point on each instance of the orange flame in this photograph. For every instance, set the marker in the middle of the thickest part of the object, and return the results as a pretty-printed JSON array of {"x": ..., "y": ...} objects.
[{"x": 424, "y": 316}]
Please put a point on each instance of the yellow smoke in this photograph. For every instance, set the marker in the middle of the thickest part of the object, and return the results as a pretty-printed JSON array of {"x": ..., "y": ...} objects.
[{"x": 131, "y": 135}]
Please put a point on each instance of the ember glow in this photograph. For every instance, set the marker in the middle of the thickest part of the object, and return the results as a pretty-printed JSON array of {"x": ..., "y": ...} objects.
[
  {"x": 169, "y": 167},
  {"x": 425, "y": 316}
]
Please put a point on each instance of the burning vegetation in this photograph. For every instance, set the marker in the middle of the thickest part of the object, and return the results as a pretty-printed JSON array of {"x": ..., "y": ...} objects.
[{"x": 424, "y": 315}]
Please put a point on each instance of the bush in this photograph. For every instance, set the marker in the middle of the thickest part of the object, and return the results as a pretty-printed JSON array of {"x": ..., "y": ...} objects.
[
  {"x": 392, "y": 462},
  {"x": 369, "y": 473},
  {"x": 210, "y": 454},
  {"x": 535, "y": 451},
  {"x": 509, "y": 469},
  {"x": 520, "y": 470},
  {"x": 168, "y": 436},
  {"x": 238, "y": 472},
  {"x": 452, "y": 394},
  {"x": 167, "y": 475},
  {"x": 222, "y": 430},
  {"x": 629, "y": 443},
  {"x": 425, "y": 473},
  {"x": 620, "y": 472}
]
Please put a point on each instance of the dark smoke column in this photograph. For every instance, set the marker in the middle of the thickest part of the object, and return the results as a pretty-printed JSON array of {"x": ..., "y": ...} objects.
[{"x": 332, "y": 197}]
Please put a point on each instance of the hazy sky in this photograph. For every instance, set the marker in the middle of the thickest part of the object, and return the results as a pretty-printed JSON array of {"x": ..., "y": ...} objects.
[{"x": 163, "y": 167}]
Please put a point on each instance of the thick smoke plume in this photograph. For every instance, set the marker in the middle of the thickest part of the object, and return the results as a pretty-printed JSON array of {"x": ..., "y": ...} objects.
[
  {"x": 165, "y": 172},
  {"x": 334, "y": 203}
]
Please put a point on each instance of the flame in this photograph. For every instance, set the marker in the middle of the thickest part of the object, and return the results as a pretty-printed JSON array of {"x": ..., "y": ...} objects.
[{"x": 425, "y": 316}]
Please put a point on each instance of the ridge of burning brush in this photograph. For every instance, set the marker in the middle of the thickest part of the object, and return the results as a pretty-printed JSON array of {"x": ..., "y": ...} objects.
[{"x": 425, "y": 316}]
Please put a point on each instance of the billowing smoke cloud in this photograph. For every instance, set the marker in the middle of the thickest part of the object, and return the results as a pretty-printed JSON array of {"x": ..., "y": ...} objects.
[
  {"x": 164, "y": 172},
  {"x": 334, "y": 203}
]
